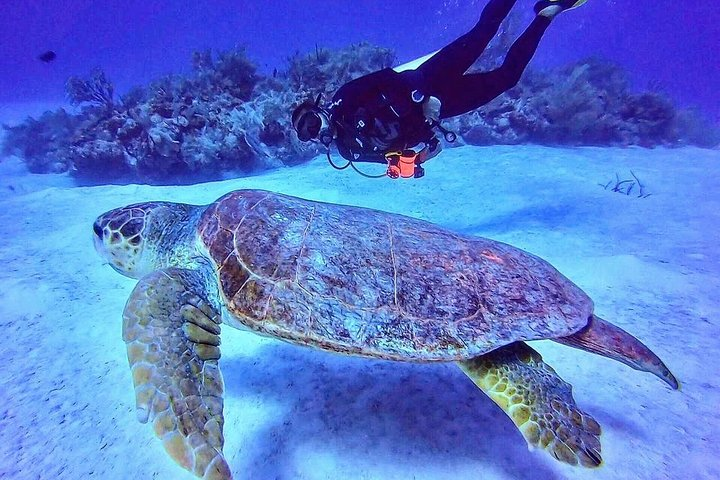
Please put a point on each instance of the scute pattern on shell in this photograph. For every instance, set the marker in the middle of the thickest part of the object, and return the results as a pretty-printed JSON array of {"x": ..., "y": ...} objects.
[{"x": 361, "y": 281}]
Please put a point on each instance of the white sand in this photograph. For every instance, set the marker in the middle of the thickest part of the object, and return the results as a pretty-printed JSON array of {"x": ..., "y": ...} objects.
[{"x": 652, "y": 265}]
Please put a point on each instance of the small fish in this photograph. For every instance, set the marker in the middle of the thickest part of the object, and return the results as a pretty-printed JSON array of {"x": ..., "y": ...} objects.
[{"x": 47, "y": 57}]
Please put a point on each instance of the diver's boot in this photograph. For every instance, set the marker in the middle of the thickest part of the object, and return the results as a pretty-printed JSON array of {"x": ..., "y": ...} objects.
[{"x": 550, "y": 8}]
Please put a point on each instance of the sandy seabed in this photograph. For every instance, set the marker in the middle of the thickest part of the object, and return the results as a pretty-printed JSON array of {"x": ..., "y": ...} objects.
[{"x": 651, "y": 264}]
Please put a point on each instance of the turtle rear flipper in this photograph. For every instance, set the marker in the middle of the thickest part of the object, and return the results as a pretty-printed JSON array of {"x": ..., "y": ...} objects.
[
  {"x": 538, "y": 401},
  {"x": 172, "y": 337},
  {"x": 603, "y": 338}
]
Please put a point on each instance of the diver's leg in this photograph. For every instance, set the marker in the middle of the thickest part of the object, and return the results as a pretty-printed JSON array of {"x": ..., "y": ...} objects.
[
  {"x": 454, "y": 59},
  {"x": 470, "y": 91}
]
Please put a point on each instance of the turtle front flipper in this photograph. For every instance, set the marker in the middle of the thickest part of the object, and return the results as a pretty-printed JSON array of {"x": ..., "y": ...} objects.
[
  {"x": 172, "y": 334},
  {"x": 538, "y": 401}
]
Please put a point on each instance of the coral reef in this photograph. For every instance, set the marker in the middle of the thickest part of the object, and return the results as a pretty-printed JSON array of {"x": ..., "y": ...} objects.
[
  {"x": 95, "y": 91},
  {"x": 588, "y": 103},
  {"x": 42, "y": 143},
  {"x": 326, "y": 70},
  {"x": 226, "y": 117}
]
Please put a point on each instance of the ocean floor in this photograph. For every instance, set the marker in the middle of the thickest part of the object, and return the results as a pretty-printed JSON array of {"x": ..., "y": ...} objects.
[{"x": 651, "y": 264}]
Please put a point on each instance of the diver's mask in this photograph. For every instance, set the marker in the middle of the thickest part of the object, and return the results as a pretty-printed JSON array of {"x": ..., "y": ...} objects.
[{"x": 312, "y": 122}]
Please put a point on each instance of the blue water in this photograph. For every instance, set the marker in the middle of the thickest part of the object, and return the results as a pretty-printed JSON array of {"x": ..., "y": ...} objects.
[
  {"x": 633, "y": 226},
  {"x": 669, "y": 43}
]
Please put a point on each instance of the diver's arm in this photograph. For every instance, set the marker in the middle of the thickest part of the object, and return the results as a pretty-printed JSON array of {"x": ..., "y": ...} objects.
[{"x": 348, "y": 154}]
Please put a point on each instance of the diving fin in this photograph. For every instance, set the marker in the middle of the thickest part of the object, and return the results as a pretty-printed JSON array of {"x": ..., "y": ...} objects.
[{"x": 550, "y": 8}]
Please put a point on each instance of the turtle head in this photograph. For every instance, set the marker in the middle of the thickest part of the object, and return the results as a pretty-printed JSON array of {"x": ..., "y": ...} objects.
[{"x": 144, "y": 237}]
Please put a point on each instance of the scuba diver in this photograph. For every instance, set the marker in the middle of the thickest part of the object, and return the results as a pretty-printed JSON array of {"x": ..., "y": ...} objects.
[{"x": 391, "y": 117}]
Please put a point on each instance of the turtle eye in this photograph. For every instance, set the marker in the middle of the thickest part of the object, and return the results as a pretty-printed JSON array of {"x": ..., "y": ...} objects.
[{"x": 98, "y": 230}]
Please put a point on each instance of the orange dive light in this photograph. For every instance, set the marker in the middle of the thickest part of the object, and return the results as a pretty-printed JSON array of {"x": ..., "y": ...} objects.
[{"x": 406, "y": 163}]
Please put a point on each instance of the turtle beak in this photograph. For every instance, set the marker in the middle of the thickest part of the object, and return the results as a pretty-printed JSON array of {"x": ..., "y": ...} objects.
[
  {"x": 97, "y": 229},
  {"x": 98, "y": 241},
  {"x": 97, "y": 237}
]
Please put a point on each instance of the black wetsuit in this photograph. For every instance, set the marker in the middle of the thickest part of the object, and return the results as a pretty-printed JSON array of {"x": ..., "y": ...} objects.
[{"x": 376, "y": 113}]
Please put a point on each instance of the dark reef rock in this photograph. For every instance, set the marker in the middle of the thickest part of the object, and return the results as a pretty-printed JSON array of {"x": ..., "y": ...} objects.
[
  {"x": 225, "y": 117},
  {"x": 100, "y": 157},
  {"x": 42, "y": 143}
]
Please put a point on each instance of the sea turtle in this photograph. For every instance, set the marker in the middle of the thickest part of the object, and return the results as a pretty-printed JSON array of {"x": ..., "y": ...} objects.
[{"x": 349, "y": 280}]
